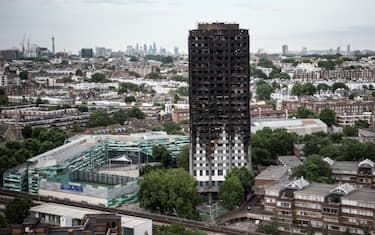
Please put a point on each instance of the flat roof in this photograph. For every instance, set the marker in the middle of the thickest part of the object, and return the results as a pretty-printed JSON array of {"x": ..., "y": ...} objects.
[
  {"x": 273, "y": 173},
  {"x": 316, "y": 189},
  {"x": 345, "y": 165},
  {"x": 79, "y": 213},
  {"x": 62, "y": 210},
  {"x": 364, "y": 195},
  {"x": 82, "y": 143},
  {"x": 290, "y": 161}
]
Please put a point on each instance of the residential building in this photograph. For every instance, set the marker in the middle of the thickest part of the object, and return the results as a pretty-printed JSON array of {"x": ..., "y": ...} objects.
[
  {"x": 340, "y": 107},
  {"x": 357, "y": 173},
  {"x": 303, "y": 207},
  {"x": 91, "y": 224},
  {"x": 350, "y": 119},
  {"x": 219, "y": 102},
  {"x": 70, "y": 216},
  {"x": 271, "y": 175},
  {"x": 366, "y": 134}
]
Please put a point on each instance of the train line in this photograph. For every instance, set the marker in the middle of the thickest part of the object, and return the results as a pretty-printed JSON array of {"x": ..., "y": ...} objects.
[{"x": 164, "y": 219}]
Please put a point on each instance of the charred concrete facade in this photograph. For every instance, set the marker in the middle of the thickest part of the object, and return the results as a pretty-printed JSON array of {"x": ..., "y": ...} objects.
[{"x": 219, "y": 102}]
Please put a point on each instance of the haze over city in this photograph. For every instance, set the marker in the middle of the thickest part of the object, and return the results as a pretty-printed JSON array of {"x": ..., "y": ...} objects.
[
  {"x": 162, "y": 117},
  {"x": 114, "y": 24}
]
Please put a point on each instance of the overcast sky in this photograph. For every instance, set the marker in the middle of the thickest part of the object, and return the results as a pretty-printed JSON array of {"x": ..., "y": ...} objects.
[{"x": 316, "y": 24}]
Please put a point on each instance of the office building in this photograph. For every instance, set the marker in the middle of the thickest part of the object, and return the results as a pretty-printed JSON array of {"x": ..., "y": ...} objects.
[
  {"x": 87, "y": 53},
  {"x": 219, "y": 102},
  {"x": 285, "y": 49}
]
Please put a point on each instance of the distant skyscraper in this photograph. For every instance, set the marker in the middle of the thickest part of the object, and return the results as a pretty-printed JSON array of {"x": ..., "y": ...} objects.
[
  {"x": 53, "y": 45},
  {"x": 155, "y": 51},
  {"x": 338, "y": 50},
  {"x": 100, "y": 51},
  {"x": 144, "y": 49},
  {"x": 87, "y": 53},
  {"x": 348, "y": 49},
  {"x": 285, "y": 49},
  {"x": 304, "y": 51},
  {"x": 219, "y": 102},
  {"x": 176, "y": 53}
]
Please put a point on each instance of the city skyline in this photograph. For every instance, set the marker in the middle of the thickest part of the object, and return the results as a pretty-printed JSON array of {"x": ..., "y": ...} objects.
[{"x": 118, "y": 23}]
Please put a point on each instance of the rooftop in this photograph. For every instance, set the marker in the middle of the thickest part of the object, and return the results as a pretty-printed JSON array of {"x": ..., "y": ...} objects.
[
  {"x": 364, "y": 195},
  {"x": 217, "y": 26},
  {"x": 316, "y": 189},
  {"x": 289, "y": 161},
  {"x": 273, "y": 173},
  {"x": 62, "y": 210}
]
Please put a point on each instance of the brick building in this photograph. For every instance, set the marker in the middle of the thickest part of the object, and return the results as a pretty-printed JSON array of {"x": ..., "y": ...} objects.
[{"x": 301, "y": 207}]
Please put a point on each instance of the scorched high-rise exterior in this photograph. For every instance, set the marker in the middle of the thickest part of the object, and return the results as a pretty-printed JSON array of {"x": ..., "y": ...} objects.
[{"x": 219, "y": 102}]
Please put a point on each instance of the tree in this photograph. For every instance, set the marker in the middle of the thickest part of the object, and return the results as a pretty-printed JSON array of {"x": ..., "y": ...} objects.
[
  {"x": 313, "y": 144},
  {"x": 172, "y": 128},
  {"x": 264, "y": 91},
  {"x": 299, "y": 89},
  {"x": 3, "y": 97},
  {"x": 99, "y": 118},
  {"x": 128, "y": 87},
  {"x": 24, "y": 75},
  {"x": 171, "y": 192},
  {"x": 328, "y": 116},
  {"x": 314, "y": 168},
  {"x": 182, "y": 159},
  {"x": 3, "y": 221},
  {"x": 135, "y": 112},
  {"x": 303, "y": 113},
  {"x": 16, "y": 211},
  {"x": 177, "y": 229},
  {"x": 266, "y": 63},
  {"x": 349, "y": 131},
  {"x": 83, "y": 108},
  {"x": 361, "y": 124},
  {"x": 161, "y": 154},
  {"x": 272, "y": 228},
  {"x": 22, "y": 155},
  {"x": 246, "y": 178},
  {"x": 338, "y": 85},
  {"x": 120, "y": 116},
  {"x": 154, "y": 75},
  {"x": 129, "y": 99},
  {"x": 79, "y": 72},
  {"x": 267, "y": 144},
  {"x": 183, "y": 91},
  {"x": 99, "y": 78},
  {"x": 231, "y": 192},
  {"x": 261, "y": 156},
  {"x": 323, "y": 87}
]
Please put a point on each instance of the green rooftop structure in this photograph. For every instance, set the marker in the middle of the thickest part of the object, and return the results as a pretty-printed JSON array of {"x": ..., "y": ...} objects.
[{"x": 51, "y": 172}]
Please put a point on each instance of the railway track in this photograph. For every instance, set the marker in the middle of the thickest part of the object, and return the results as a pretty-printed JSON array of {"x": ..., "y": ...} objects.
[{"x": 154, "y": 217}]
